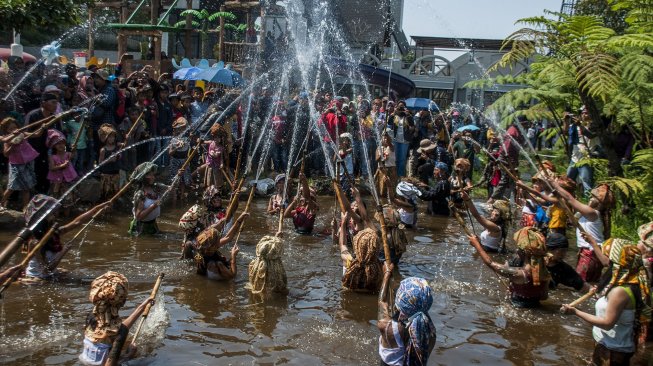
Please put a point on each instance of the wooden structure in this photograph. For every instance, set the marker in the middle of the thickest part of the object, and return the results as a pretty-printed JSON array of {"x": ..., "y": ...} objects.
[{"x": 236, "y": 53}]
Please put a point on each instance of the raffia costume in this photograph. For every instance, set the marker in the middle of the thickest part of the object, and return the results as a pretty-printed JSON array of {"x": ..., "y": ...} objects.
[
  {"x": 108, "y": 295},
  {"x": 266, "y": 272},
  {"x": 363, "y": 272}
]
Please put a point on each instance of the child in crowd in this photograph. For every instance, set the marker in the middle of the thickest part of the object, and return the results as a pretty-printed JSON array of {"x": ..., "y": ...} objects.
[
  {"x": 21, "y": 157},
  {"x": 385, "y": 156},
  {"x": 345, "y": 156},
  {"x": 215, "y": 158},
  {"x": 62, "y": 173},
  {"x": 109, "y": 165},
  {"x": 179, "y": 149},
  {"x": 129, "y": 134}
]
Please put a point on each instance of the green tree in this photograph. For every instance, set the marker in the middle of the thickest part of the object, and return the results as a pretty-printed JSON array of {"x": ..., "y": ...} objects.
[
  {"x": 45, "y": 15},
  {"x": 579, "y": 60},
  {"x": 203, "y": 22}
]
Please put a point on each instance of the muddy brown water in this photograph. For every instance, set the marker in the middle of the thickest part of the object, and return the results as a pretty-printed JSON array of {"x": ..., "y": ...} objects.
[{"x": 211, "y": 322}]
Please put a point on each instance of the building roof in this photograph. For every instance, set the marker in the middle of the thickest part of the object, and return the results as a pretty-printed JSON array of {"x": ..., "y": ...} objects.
[{"x": 458, "y": 43}]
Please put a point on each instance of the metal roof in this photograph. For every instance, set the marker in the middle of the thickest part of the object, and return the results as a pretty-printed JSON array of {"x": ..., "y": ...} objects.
[{"x": 458, "y": 43}]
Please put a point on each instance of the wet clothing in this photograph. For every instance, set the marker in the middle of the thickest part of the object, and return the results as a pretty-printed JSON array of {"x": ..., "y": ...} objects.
[
  {"x": 563, "y": 273},
  {"x": 393, "y": 356},
  {"x": 304, "y": 220},
  {"x": 588, "y": 267},
  {"x": 438, "y": 198},
  {"x": 94, "y": 354},
  {"x": 490, "y": 243},
  {"x": 528, "y": 295},
  {"x": 620, "y": 337},
  {"x": 148, "y": 224}
]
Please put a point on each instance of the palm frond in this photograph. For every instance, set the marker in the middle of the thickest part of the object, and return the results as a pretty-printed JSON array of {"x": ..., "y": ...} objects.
[{"x": 596, "y": 74}]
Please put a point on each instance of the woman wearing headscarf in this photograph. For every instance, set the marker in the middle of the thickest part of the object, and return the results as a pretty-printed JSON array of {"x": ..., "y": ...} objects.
[
  {"x": 407, "y": 331},
  {"x": 105, "y": 332},
  {"x": 437, "y": 195},
  {"x": 493, "y": 237},
  {"x": 529, "y": 281},
  {"x": 44, "y": 264},
  {"x": 361, "y": 271},
  {"x": 623, "y": 311},
  {"x": 267, "y": 275},
  {"x": 406, "y": 202},
  {"x": 594, "y": 220},
  {"x": 147, "y": 200}
]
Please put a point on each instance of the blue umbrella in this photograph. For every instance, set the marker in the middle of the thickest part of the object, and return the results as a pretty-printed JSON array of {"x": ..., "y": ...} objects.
[
  {"x": 468, "y": 128},
  {"x": 221, "y": 76},
  {"x": 187, "y": 73},
  {"x": 419, "y": 104}
]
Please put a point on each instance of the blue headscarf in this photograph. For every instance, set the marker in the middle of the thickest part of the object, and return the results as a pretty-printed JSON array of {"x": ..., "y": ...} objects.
[
  {"x": 442, "y": 166},
  {"x": 413, "y": 300}
]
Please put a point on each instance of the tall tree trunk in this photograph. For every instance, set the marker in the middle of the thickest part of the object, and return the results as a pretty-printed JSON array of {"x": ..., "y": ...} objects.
[{"x": 600, "y": 128}]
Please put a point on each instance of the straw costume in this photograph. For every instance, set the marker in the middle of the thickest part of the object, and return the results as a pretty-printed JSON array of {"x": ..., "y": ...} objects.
[
  {"x": 364, "y": 270},
  {"x": 266, "y": 272},
  {"x": 104, "y": 324}
]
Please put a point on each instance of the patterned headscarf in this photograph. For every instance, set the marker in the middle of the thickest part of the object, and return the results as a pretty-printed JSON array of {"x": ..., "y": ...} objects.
[
  {"x": 365, "y": 269},
  {"x": 628, "y": 269},
  {"x": 413, "y": 301},
  {"x": 503, "y": 207},
  {"x": 108, "y": 295},
  {"x": 37, "y": 205},
  {"x": 142, "y": 170},
  {"x": 532, "y": 242},
  {"x": 645, "y": 233},
  {"x": 266, "y": 271}
]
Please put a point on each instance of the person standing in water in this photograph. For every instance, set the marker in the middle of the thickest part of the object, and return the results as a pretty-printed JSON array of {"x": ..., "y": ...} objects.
[
  {"x": 624, "y": 309},
  {"x": 44, "y": 264},
  {"x": 529, "y": 280},
  {"x": 407, "y": 332},
  {"x": 105, "y": 332},
  {"x": 147, "y": 204}
]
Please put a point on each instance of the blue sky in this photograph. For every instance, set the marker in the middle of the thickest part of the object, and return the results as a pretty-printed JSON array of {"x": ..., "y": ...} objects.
[{"x": 490, "y": 19}]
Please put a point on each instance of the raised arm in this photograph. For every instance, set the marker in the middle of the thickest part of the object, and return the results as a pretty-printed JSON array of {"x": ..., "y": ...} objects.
[
  {"x": 79, "y": 220},
  {"x": 584, "y": 209},
  {"x": 489, "y": 225},
  {"x": 515, "y": 275},
  {"x": 535, "y": 194}
]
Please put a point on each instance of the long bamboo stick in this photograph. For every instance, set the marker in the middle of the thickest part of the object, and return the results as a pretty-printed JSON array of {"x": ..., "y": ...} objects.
[{"x": 146, "y": 312}]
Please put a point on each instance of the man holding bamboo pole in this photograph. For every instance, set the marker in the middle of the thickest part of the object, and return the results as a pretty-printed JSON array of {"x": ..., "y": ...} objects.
[{"x": 105, "y": 332}]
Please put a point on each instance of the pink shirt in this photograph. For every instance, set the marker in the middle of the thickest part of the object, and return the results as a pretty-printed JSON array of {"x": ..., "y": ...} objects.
[
  {"x": 218, "y": 151},
  {"x": 22, "y": 153},
  {"x": 63, "y": 175}
]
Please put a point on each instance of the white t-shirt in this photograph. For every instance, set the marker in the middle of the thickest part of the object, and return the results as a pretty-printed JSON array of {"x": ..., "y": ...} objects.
[{"x": 594, "y": 228}]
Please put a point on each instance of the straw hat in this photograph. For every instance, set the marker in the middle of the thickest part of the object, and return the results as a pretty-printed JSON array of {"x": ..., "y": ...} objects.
[
  {"x": 105, "y": 131},
  {"x": 180, "y": 122},
  {"x": 426, "y": 146}
]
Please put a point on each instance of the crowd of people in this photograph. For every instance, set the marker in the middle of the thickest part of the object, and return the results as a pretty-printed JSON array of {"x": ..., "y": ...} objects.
[{"x": 64, "y": 122}]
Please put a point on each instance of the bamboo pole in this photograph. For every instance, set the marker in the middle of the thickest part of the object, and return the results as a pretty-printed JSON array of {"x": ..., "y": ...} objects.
[
  {"x": 249, "y": 201},
  {"x": 111, "y": 201},
  {"x": 583, "y": 298},
  {"x": 133, "y": 127},
  {"x": 146, "y": 312}
]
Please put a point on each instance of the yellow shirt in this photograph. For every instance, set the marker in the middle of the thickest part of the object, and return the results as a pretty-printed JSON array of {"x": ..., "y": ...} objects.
[{"x": 558, "y": 217}]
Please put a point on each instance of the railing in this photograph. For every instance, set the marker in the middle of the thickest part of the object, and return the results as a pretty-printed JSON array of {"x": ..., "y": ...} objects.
[{"x": 239, "y": 53}]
